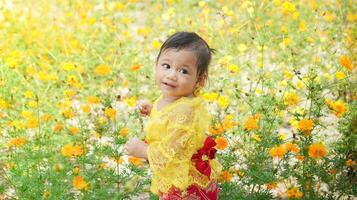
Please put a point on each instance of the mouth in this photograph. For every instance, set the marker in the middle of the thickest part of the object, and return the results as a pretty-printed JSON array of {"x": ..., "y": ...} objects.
[{"x": 169, "y": 85}]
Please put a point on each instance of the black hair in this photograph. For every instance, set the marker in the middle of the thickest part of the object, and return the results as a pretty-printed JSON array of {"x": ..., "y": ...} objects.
[{"x": 191, "y": 41}]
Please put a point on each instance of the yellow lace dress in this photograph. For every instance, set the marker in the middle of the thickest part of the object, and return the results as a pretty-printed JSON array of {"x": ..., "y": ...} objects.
[{"x": 174, "y": 134}]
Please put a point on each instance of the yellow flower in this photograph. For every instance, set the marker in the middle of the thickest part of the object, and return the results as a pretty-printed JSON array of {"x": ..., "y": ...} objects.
[
  {"x": 226, "y": 176},
  {"x": 210, "y": 96},
  {"x": 283, "y": 29},
  {"x": 302, "y": 26},
  {"x": 69, "y": 93},
  {"x": 282, "y": 136},
  {"x": 277, "y": 151},
  {"x": 339, "y": 108},
  {"x": 144, "y": 31},
  {"x": 135, "y": 161},
  {"x": 287, "y": 8},
  {"x": 271, "y": 185},
  {"x": 222, "y": 143},
  {"x": 225, "y": 59},
  {"x": 58, "y": 127},
  {"x": 68, "y": 113},
  {"x": 46, "y": 117},
  {"x": 32, "y": 104},
  {"x": 283, "y": 83},
  {"x": 332, "y": 171},
  {"x": 68, "y": 66},
  {"x": 70, "y": 150},
  {"x": 2, "y": 82},
  {"x": 340, "y": 75},
  {"x": 17, "y": 142},
  {"x": 313, "y": 5},
  {"x": 300, "y": 84},
  {"x": 305, "y": 126},
  {"x": 135, "y": 68},
  {"x": 294, "y": 193},
  {"x": 291, "y": 99},
  {"x": 124, "y": 132},
  {"x": 300, "y": 157},
  {"x": 73, "y": 130},
  {"x": 292, "y": 147},
  {"x": 32, "y": 123},
  {"x": 288, "y": 75},
  {"x": 352, "y": 17},
  {"x": 119, "y": 6},
  {"x": 228, "y": 124},
  {"x": 85, "y": 108},
  {"x": 296, "y": 15},
  {"x": 30, "y": 71},
  {"x": 28, "y": 94},
  {"x": 223, "y": 102},
  {"x": 79, "y": 183},
  {"x": 119, "y": 161},
  {"x": 46, "y": 194},
  {"x": 131, "y": 102},
  {"x": 242, "y": 47},
  {"x": 76, "y": 170},
  {"x": 327, "y": 76},
  {"x": 233, "y": 68},
  {"x": 156, "y": 44},
  {"x": 251, "y": 123},
  {"x": 256, "y": 137},
  {"x": 346, "y": 63},
  {"x": 72, "y": 80},
  {"x": 102, "y": 70},
  {"x": 329, "y": 17},
  {"x": 110, "y": 82},
  {"x": 93, "y": 100},
  {"x": 317, "y": 151},
  {"x": 216, "y": 129},
  {"x": 286, "y": 41},
  {"x": 3, "y": 104},
  {"x": 350, "y": 163},
  {"x": 110, "y": 112},
  {"x": 27, "y": 114}
]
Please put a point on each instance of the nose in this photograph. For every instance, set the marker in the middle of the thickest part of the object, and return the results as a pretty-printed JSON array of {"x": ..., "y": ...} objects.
[{"x": 172, "y": 75}]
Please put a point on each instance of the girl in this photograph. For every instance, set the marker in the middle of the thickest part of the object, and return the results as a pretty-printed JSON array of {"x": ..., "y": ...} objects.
[{"x": 180, "y": 155}]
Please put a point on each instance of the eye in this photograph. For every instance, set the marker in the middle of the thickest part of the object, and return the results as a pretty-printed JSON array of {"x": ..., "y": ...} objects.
[
  {"x": 166, "y": 66},
  {"x": 183, "y": 71}
]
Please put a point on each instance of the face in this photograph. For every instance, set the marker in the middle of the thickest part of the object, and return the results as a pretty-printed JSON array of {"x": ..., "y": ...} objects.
[{"x": 176, "y": 73}]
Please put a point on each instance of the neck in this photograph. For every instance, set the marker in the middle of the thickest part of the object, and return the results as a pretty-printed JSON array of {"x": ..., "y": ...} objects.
[{"x": 173, "y": 98}]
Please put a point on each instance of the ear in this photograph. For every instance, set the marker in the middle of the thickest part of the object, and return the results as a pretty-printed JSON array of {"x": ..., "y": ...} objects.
[{"x": 200, "y": 81}]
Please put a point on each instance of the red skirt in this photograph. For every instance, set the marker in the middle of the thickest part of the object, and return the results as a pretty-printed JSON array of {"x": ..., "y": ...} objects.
[{"x": 192, "y": 193}]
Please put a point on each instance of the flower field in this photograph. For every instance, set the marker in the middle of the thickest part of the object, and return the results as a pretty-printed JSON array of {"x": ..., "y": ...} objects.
[{"x": 282, "y": 91}]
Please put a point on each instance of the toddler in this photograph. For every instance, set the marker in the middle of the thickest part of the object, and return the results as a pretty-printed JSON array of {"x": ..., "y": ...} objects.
[{"x": 180, "y": 155}]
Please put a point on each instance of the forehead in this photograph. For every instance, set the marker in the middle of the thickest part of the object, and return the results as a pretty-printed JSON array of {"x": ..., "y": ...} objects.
[{"x": 183, "y": 56}]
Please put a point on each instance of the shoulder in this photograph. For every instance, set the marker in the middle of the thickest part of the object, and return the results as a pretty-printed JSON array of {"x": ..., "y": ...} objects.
[
  {"x": 188, "y": 109},
  {"x": 188, "y": 105}
]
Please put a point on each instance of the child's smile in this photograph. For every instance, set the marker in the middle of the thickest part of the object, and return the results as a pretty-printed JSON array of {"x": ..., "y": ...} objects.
[{"x": 176, "y": 73}]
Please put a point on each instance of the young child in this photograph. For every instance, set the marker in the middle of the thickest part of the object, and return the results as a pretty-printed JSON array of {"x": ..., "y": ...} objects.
[{"x": 180, "y": 155}]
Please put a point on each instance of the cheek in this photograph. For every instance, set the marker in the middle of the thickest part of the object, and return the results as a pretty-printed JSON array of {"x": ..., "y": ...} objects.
[
  {"x": 158, "y": 76},
  {"x": 189, "y": 81}
]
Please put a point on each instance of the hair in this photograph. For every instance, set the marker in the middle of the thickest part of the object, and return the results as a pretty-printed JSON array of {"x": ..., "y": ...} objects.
[{"x": 191, "y": 41}]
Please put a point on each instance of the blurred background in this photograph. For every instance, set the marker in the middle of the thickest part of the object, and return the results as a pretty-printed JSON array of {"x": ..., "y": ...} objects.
[{"x": 281, "y": 90}]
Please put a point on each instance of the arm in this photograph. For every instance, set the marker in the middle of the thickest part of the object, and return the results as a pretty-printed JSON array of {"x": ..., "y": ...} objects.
[
  {"x": 136, "y": 147},
  {"x": 145, "y": 107}
]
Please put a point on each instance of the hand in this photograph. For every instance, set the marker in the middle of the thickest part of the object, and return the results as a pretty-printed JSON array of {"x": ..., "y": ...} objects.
[
  {"x": 136, "y": 147},
  {"x": 145, "y": 107}
]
